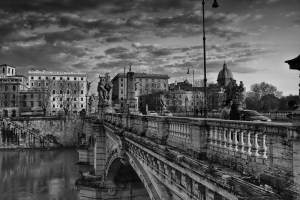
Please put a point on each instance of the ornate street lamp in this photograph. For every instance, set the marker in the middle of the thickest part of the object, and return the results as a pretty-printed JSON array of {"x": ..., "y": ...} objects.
[{"x": 214, "y": 5}]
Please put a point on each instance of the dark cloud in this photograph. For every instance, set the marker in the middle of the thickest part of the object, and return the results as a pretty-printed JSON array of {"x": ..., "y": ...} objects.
[
  {"x": 161, "y": 52},
  {"x": 297, "y": 21},
  {"x": 116, "y": 50},
  {"x": 98, "y": 57}
]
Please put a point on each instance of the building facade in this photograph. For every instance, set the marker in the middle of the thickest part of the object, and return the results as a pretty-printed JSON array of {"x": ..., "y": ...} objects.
[
  {"x": 67, "y": 91},
  {"x": 144, "y": 84},
  {"x": 10, "y": 87}
]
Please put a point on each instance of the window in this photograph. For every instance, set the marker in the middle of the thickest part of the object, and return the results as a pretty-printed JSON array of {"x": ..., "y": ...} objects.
[
  {"x": 40, "y": 96},
  {"x": 81, "y": 99},
  {"x": 40, "y": 78},
  {"x": 82, "y": 79},
  {"x": 75, "y": 79},
  {"x": 146, "y": 80},
  {"x": 53, "y": 92},
  {"x": 68, "y": 78},
  {"x": 61, "y": 105},
  {"x": 75, "y": 99},
  {"x": 121, "y": 79},
  {"x": 39, "y": 84},
  {"x": 53, "y": 79},
  {"x": 47, "y": 84},
  {"x": 3, "y": 70},
  {"x": 5, "y": 96},
  {"x": 68, "y": 91},
  {"x": 53, "y": 105},
  {"x": 122, "y": 105},
  {"x": 46, "y": 77},
  {"x": 121, "y": 91},
  {"x": 60, "y": 78},
  {"x": 13, "y": 103},
  {"x": 81, "y": 91},
  {"x": 53, "y": 84},
  {"x": 14, "y": 87},
  {"x": 81, "y": 105},
  {"x": 40, "y": 104},
  {"x": 24, "y": 96},
  {"x": 53, "y": 99},
  {"x": 32, "y": 84},
  {"x": 6, "y": 88},
  {"x": 152, "y": 80},
  {"x": 8, "y": 70},
  {"x": 31, "y": 96},
  {"x": 60, "y": 92},
  {"x": 24, "y": 103},
  {"x": 68, "y": 99},
  {"x": 60, "y": 99},
  {"x": 74, "y": 105},
  {"x": 122, "y": 98},
  {"x": 74, "y": 91},
  {"x": 31, "y": 103},
  {"x": 121, "y": 84},
  {"x": 13, "y": 96},
  {"x": 61, "y": 84},
  {"x": 12, "y": 71},
  {"x": 32, "y": 78},
  {"x": 140, "y": 80}
]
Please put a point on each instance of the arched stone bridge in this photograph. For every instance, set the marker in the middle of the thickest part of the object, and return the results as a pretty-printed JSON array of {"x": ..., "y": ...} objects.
[{"x": 149, "y": 157}]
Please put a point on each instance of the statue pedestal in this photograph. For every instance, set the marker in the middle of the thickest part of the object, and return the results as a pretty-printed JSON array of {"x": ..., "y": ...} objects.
[
  {"x": 106, "y": 107},
  {"x": 164, "y": 109}
]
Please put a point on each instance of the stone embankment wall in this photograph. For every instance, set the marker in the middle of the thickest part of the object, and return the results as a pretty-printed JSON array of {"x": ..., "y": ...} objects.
[{"x": 65, "y": 131}]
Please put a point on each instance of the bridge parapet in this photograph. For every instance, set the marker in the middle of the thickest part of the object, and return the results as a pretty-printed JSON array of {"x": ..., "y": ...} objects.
[{"x": 262, "y": 151}]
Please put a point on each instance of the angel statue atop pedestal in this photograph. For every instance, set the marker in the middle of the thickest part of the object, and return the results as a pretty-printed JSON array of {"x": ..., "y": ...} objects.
[
  {"x": 88, "y": 86},
  {"x": 105, "y": 89}
]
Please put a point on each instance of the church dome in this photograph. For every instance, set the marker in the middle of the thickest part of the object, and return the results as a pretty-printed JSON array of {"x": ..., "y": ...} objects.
[{"x": 224, "y": 76}]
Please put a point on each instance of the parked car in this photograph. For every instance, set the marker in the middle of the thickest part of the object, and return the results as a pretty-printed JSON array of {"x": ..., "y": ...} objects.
[
  {"x": 252, "y": 115},
  {"x": 167, "y": 113},
  {"x": 151, "y": 112}
]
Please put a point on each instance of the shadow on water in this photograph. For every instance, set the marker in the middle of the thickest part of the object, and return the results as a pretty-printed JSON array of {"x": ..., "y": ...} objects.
[{"x": 39, "y": 174}]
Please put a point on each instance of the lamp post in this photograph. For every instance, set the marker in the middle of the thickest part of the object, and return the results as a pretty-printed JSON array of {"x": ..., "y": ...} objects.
[
  {"x": 188, "y": 72},
  {"x": 214, "y": 5}
]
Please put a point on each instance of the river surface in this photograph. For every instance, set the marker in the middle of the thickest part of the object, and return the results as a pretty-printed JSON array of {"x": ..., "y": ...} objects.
[{"x": 39, "y": 174}]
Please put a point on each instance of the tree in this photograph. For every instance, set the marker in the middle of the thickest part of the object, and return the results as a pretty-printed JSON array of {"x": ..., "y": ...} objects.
[
  {"x": 263, "y": 96},
  {"x": 283, "y": 102},
  {"x": 67, "y": 94}
]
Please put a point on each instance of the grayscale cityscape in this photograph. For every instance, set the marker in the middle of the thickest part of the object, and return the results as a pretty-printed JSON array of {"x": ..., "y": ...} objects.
[{"x": 149, "y": 100}]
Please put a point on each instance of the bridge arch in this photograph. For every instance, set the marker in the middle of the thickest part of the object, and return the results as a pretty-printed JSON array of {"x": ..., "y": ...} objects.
[{"x": 119, "y": 169}]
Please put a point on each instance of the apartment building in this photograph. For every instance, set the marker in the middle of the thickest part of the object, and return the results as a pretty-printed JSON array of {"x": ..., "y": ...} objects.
[
  {"x": 144, "y": 83},
  {"x": 10, "y": 87},
  {"x": 67, "y": 90}
]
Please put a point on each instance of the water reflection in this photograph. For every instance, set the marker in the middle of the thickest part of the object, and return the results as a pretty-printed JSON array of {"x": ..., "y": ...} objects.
[{"x": 39, "y": 175}]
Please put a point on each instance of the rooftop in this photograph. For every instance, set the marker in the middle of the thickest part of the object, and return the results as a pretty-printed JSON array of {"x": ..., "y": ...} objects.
[{"x": 44, "y": 72}]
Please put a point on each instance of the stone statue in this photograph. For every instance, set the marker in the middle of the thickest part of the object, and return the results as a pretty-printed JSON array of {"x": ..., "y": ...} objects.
[
  {"x": 105, "y": 94},
  {"x": 105, "y": 88},
  {"x": 88, "y": 85},
  {"x": 236, "y": 93},
  {"x": 162, "y": 101}
]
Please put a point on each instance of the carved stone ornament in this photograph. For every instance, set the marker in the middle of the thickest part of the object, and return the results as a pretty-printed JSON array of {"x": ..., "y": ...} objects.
[{"x": 111, "y": 191}]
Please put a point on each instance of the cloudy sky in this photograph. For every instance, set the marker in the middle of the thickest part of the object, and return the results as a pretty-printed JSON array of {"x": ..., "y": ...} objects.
[{"x": 254, "y": 37}]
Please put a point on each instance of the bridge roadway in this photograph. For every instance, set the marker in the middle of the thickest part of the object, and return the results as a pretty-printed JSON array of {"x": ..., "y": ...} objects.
[{"x": 150, "y": 157}]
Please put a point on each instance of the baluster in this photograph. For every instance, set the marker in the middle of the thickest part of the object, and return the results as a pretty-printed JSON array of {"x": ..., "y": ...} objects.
[
  {"x": 214, "y": 136},
  {"x": 229, "y": 141},
  {"x": 210, "y": 137},
  {"x": 224, "y": 139},
  {"x": 219, "y": 130},
  {"x": 255, "y": 145},
  {"x": 248, "y": 144},
  {"x": 241, "y": 142},
  {"x": 263, "y": 147},
  {"x": 235, "y": 141}
]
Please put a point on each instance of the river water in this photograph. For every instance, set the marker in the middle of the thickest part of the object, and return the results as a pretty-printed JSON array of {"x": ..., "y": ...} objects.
[{"x": 39, "y": 174}]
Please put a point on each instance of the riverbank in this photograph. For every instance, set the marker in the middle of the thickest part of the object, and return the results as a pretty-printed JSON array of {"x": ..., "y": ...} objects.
[{"x": 20, "y": 148}]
